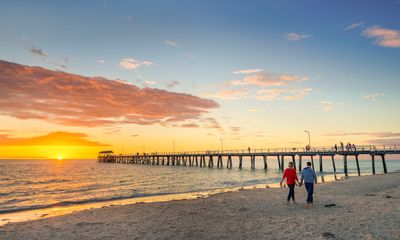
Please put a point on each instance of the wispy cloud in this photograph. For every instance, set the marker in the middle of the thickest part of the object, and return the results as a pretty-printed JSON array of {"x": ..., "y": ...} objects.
[
  {"x": 283, "y": 94},
  {"x": 149, "y": 82},
  {"x": 353, "y": 26},
  {"x": 130, "y": 63},
  {"x": 327, "y": 106},
  {"x": 373, "y": 134},
  {"x": 102, "y": 61},
  {"x": 171, "y": 43},
  {"x": 190, "y": 125},
  {"x": 373, "y": 97},
  {"x": 68, "y": 99},
  {"x": 247, "y": 71},
  {"x": 230, "y": 94},
  {"x": 298, "y": 94},
  {"x": 296, "y": 36},
  {"x": 265, "y": 79},
  {"x": 171, "y": 84},
  {"x": 384, "y": 37},
  {"x": 270, "y": 94},
  {"x": 189, "y": 55},
  {"x": 380, "y": 141},
  {"x": 59, "y": 138},
  {"x": 37, "y": 51},
  {"x": 378, "y": 138}
]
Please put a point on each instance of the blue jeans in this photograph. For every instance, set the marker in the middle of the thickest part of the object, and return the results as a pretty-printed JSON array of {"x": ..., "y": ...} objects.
[
  {"x": 291, "y": 192},
  {"x": 310, "y": 191}
]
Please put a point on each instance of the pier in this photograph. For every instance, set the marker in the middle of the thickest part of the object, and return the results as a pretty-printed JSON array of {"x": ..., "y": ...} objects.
[{"x": 216, "y": 159}]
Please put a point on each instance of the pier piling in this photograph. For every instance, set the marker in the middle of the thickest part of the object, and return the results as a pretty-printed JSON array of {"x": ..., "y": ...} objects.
[
  {"x": 373, "y": 163},
  {"x": 384, "y": 163},
  {"x": 265, "y": 162},
  {"x": 333, "y": 163},
  {"x": 320, "y": 163},
  {"x": 358, "y": 165}
]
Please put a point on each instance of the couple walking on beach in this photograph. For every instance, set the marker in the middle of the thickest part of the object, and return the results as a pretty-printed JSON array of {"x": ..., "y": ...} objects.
[{"x": 307, "y": 176}]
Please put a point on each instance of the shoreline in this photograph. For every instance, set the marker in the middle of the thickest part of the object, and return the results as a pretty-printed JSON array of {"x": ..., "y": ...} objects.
[
  {"x": 42, "y": 213},
  {"x": 250, "y": 213}
]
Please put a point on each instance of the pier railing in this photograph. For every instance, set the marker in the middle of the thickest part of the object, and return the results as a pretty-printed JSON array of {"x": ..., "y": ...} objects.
[{"x": 318, "y": 149}]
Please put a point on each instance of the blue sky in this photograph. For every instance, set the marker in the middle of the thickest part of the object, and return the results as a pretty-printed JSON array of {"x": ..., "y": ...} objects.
[{"x": 343, "y": 55}]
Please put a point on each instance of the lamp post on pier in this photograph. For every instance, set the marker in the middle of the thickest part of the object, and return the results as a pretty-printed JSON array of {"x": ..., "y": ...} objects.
[
  {"x": 222, "y": 144},
  {"x": 173, "y": 146},
  {"x": 309, "y": 139}
]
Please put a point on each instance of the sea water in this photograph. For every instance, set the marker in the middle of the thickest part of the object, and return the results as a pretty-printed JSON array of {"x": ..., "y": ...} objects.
[{"x": 44, "y": 187}]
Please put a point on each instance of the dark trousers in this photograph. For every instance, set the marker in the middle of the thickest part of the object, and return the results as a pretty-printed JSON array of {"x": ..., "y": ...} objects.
[
  {"x": 291, "y": 192},
  {"x": 310, "y": 191}
]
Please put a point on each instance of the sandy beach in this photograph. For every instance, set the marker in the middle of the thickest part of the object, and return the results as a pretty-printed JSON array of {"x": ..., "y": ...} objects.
[{"x": 365, "y": 208}]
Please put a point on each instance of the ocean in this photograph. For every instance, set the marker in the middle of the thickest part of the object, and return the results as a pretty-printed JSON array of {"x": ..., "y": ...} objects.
[{"x": 38, "y": 186}]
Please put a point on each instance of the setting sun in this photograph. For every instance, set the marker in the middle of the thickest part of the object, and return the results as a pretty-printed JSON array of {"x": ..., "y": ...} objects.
[{"x": 60, "y": 158}]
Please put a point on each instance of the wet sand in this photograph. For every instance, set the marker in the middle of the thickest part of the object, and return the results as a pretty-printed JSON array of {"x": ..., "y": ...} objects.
[{"x": 365, "y": 208}]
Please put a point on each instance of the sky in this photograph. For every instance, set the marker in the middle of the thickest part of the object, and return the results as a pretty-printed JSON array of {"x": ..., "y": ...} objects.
[{"x": 77, "y": 77}]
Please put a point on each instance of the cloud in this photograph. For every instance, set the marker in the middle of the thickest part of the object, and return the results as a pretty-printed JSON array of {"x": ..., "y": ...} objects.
[
  {"x": 102, "y": 61},
  {"x": 211, "y": 123},
  {"x": 391, "y": 141},
  {"x": 327, "y": 106},
  {"x": 375, "y": 138},
  {"x": 171, "y": 43},
  {"x": 296, "y": 36},
  {"x": 149, "y": 82},
  {"x": 51, "y": 139},
  {"x": 130, "y": 63},
  {"x": 247, "y": 71},
  {"x": 373, "y": 97},
  {"x": 37, "y": 51},
  {"x": 264, "y": 79},
  {"x": 383, "y": 36},
  {"x": 297, "y": 94},
  {"x": 68, "y": 99},
  {"x": 235, "y": 129},
  {"x": 230, "y": 94},
  {"x": 353, "y": 26},
  {"x": 190, "y": 125},
  {"x": 171, "y": 84},
  {"x": 189, "y": 55},
  {"x": 372, "y": 134},
  {"x": 129, "y": 18},
  {"x": 270, "y": 94},
  {"x": 276, "y": 94}
]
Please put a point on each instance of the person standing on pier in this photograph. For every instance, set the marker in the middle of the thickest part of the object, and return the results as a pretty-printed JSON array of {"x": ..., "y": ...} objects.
[
  {"x": 309, "y": 178},
  {"x": 291, "y": 180}
]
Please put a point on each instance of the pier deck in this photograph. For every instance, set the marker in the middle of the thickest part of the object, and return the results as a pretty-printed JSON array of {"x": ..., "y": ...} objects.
[{"x": 206, "y": 158}]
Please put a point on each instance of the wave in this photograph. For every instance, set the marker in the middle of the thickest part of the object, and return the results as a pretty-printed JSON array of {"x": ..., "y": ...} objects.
[{"x": 69, "y": 203}]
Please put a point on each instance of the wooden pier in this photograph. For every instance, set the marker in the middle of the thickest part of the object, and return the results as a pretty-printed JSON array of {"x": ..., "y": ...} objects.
[{"x": 206, "y": 158}]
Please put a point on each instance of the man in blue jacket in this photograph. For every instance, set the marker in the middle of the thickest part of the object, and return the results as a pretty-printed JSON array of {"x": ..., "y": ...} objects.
[{"x": 309, "y": 178}]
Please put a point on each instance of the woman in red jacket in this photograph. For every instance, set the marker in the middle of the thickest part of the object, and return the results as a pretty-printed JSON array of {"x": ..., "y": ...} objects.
[{"x": 291, "y": 179}]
